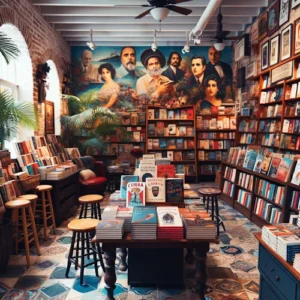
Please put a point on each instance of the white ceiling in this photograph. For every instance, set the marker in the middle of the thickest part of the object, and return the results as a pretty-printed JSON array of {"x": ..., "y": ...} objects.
[{"x": 115, "y": 25}]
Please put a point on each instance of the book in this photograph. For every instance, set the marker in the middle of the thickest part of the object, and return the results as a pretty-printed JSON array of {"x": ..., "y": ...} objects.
[
  {"x": 166, "y": 171},
  {"x": 123, "y": 184},
  {"x": 296, "y": 174},
  {"x": 136, "y": 194},
  {"x": 174, "y": 190},
  {"x": 146, "y": 171},
  {"x": 155, "y": 190},
  {"x": 172, "y": 129},
  {"x": 274, "y": 165},
  {"x": 284, "y": 169}
]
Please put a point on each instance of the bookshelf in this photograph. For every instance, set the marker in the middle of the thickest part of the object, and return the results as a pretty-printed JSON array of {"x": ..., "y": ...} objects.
[
  {"x": 215, "y": 135},
  {"x": 171, "y": 134}
]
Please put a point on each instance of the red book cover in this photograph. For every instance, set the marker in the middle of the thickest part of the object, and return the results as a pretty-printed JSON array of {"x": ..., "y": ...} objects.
[
  {"x": 190, "y": 114},
  {"x": 166, "y": 171}
]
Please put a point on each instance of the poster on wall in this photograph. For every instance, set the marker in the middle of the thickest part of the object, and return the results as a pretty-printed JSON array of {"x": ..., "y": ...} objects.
[
  {"x": 274, "y": 50},
  {"x": 284, "y": 11},
  {"x": 265, "y": 56},
  {"x": 297, "y": 36},
  {"x": 273, "y": 18},
  {"x": 49, "y": 117},
  {"x": 263, "y": 26},
  {"x": 286, "y": 42},
  {"x": 295, "y": 3}
]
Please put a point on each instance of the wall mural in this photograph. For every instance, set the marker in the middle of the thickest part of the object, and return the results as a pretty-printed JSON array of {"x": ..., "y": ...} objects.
[{"x": 126, "y": 78}]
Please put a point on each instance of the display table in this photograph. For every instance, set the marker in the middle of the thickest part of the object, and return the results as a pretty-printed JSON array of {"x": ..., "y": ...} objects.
[
  {"x": 278, "y": 279},
  {"x": 109, "y": 248}
]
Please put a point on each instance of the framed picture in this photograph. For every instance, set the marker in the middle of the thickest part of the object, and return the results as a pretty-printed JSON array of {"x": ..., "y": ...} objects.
[
  {"x": 263, "y": 26},
  {"x": 274, "y": 50},
  {"x": 295, "y": 3},
  {"x": 251, "y": 70},
  {"x": 297, "y": 36},
  {"x": 284, "y": 12},
  {"x": 49, "y": 117},
  {"x": 265, "y": 55},
  {"x": 286, "y": 42},
  {"x": 273, "y": 18}
]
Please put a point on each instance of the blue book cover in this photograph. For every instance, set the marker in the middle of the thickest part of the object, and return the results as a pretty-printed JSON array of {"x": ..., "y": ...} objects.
[
  {"x": 144, "y": 215},
  {"x": 123, "y": 186},
  {"x": 174, "y": 190}
]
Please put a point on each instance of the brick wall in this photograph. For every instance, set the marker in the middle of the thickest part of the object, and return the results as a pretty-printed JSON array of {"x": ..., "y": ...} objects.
[{"x": 43, "y": 42}]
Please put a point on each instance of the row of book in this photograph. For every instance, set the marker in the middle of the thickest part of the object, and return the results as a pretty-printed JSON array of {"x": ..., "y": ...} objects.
[
  {"x": 204, "y": 155},
  {"x": 228, "y": 110},
  {"x": 245, "y": 181},
  {"x": 271, "y": 191},
  {"x": 228, "y": 188},
  {"x": 289, "y": 142},
  {"x": 172, "y": 144},
  {"x": 292, "y": 91},
  {"x": 269, "y": 139},
  {"x": 291, "y": 126},
  {"x": 271, "y": 111},
  {"x": 159, "y": 129},
  {"x": 267, "y": 211},
  {"x": 292, "y": 109},
  {"x": 271, "y": 95},
  {"x": 295, "y": 203},
  {"x": 206, "y": 169},
  {"x": 215, "y": 144},
  {"x": 247, "y": 138},
  {"x": 132, "y": 118},
  {"x": 269, "y": 126},
  {"x": 215, "y": 123},
  {"x": 127, "y": 134},
  {"x": 230, "y": 174},
  {"x": 216, "y": 135},
  {"x": 244, "y": 198},
  {"x": 164, "y": 113},
  {"x": 247, "y": 126}
]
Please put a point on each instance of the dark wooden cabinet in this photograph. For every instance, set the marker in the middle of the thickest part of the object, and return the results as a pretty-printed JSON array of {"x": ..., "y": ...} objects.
[{"x": 64, "y": 195}]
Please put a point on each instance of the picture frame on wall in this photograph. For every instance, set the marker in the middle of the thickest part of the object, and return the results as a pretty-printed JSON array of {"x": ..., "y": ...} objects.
[
  {"x": 251, "y": 70},
  {"x": 295, "y": 3},
  {"x": 263, "y": 26},
  {"x": 286, "y": 42},
  {"x": 297, "y": 36},
  {"x": 273, "y": 18},
  {"x": 265, "y": 56},
  {"x": 284, "y": 12},
  {"x": 274, "y": 50},
  {"x": 49, "y": 117}
]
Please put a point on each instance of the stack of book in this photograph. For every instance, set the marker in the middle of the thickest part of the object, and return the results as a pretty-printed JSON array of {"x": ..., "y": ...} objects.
[
  {"x": 110, "y": 212},
  {"x": 169, "y": 223},
  {"x": 110, "y": 229},
  {"x": 296, "y": 263},
  {"x": 288, "y": 246},
  {"x": 144, "y": 223},
  {"x": 198, "y": 225},
  {"x": 125, "y": 213},
  {"x": 115, "y": 199}
]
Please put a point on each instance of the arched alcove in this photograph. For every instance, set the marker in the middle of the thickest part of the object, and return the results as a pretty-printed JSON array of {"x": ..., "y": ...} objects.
[
  {"x": 53, "y": 94},
  {"x": 17, "y": 76}
]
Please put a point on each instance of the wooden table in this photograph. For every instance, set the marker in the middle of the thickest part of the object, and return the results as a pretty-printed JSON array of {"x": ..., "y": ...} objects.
[{"x": 109, "y": 248}]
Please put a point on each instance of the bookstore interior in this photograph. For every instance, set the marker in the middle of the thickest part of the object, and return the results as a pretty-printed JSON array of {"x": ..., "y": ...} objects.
[{"x": 130, "y": 171}]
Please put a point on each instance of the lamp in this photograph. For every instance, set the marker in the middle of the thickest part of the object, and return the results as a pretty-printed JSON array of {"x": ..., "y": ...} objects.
[
  {"x": 154, "y": 44},
  {"x": 91, "y": 44},
  {"x": 159, "y": 13},
  {"x": 219, "y": 46},
  {"x": 186, "y": 48}
]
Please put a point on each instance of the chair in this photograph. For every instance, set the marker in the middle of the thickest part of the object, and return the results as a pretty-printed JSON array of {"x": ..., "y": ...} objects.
[{"x": 93, "y": 185}]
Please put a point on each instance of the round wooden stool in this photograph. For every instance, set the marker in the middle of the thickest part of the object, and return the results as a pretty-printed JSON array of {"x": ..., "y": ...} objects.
[
  {"x": 46, "y": 203},
  {"x": 92, "y": 203},
  {"x": 28, "y": 237},
  {"x": 212, "y": 194},
  {"x": 83, "y": 232},
  {"x": 32, "y": 198}
]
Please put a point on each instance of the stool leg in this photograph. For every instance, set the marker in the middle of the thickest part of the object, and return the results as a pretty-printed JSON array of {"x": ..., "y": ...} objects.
[
  {"x": 85, "y": 210},
  {"x": 77, "y": 250},
  {"x": 207, "y": 202},
  {"x": 215, "y": 199},
  {"x": 100, "y": 256},
  {"x": 81, "y": 211},
  {"x": 70, "y": 254},
  {"x": 52, "y": 211},
  {"x": 212, "y": 208},
  {"x": 87, "y": 245},
  {"x": 15, "y": 219},
  {"x": 93, "y": 211},
  {"x": 99, "y": 211},
  {"x": 95, "y": 259},
  {"x": 82, "y": 259},
  {"x": 25, "y": 232},
  {"x": 44, "y": 215},
  {"x": 36, "y": 239}
]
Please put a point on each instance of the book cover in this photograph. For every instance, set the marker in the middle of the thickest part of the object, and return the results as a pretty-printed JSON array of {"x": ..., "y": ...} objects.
[
  {"x": 125, "y": 179},
  {"x": 162, "y": 113},
  {"x": 177, "y": 156},
  {"x": 168, "y": 216},
  {"x": 296, "y": 174},
  {"x": 182, "y": 130},
  {"x": 183, "y": 113},
  {"x": 258, "y": 163},
  {"x": 144, "y": 215},
  {"x": 151, "y": 129},
  {"x": 155, "y": 190},
  {"x": 151, "y": 114},
  {"x": 170, "y": 114},
  {"x": 171, "y": 144},
  {"x": 284, "y": 169},
  {"x": 172, "y": 129},
  {"x": 146, "y": 171},
  {"x": 170, "y": 155},
  {"x": 136, "y": 194},
  {"x": 166, "y": 171},
  {"x": 274, "y": 165},
  {"x": 266, "y": 163},
  {"x": 160, "y": 128},
  {"x": 190, "y": 170}
]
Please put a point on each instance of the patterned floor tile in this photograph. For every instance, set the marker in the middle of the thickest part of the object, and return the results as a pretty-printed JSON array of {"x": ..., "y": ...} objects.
[
  {"x": 65, "y": 240},
  {"x": 56, "y": 290},
  {"x": 30, "y": 282},
  {"x": 20, "y": 294},
  {"x": 12, "y": 271},
  {"x": 90, "y": 283}
]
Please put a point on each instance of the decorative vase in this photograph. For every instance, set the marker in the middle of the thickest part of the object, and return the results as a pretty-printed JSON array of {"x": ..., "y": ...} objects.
[{"x": 6, "y": 243}]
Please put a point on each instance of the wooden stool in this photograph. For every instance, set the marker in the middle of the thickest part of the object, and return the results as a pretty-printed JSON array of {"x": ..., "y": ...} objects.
[
  {"x": 212, "y": 193},
  {"x": 93, "y": 201},
  {"x": 15, "y": 205},
  {"x": 46, "y": 197},
  {"x": 83, "y": 231},
  {"x": 32, "y": 198}
]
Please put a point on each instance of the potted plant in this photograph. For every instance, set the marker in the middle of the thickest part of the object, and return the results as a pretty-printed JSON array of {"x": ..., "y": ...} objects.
[{"x": 12, "y": 114}]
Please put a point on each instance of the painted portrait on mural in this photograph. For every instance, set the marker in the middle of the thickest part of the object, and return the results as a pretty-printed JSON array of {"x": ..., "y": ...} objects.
[{"x": 126, "y": 78}]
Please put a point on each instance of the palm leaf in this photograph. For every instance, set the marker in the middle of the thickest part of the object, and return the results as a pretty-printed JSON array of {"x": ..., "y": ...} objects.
[{"x": 8, "y": 48}]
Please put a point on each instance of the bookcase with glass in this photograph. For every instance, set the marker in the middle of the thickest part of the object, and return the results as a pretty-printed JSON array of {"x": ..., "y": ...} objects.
[
  {"x": 215, "y": 135},
  {"x": 171, "y": 134}
]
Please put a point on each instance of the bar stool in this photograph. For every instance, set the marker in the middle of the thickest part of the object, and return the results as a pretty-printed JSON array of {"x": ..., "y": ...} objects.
[
  {"x": 21, "y": 204},
  {"x": 92, "y": 203},
  {"x": 32, "y": 198},
  {"x": 83, "y": 231},
  {"x": 46, "y": 202},
  {"x": 212, "y": 194}
]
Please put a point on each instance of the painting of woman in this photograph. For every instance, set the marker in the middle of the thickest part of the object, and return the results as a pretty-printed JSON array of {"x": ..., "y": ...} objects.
[{"x": 109, "y": 92}]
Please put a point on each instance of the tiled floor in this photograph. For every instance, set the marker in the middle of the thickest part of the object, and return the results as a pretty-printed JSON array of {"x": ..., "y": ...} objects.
[{"x": 231, "y": 268}]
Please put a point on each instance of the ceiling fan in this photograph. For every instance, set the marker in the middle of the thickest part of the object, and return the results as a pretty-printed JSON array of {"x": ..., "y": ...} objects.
[{"x": 166, "y": 5}]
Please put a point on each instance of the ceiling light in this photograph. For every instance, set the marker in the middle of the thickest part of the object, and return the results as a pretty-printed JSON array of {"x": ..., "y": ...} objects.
[
  {"x": 186, "y": 48},
  {"x": 154, "y": 46},
  {"x": 159, "y": 13},
  {"x": 219, "y": 46},
  {"x": 91, "y": 44}
]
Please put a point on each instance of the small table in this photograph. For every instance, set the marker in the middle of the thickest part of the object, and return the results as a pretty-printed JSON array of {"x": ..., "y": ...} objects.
[{"x": 109, "y": 248}]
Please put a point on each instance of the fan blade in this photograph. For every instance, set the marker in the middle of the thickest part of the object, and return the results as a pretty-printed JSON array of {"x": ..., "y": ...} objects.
[
  {"x": 221, "y": 35},
  {"x": 143, "y": 14},
  {"x": 180, "y": 10},
  {"x": 178, "y": 1}
]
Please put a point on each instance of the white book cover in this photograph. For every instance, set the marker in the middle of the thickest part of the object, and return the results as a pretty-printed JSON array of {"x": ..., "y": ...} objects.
[
  {"x": 296, "y": 174},
  {"x": 155, "y": 190},
  {"x": 294, "y": 90},
  {"x": 148, "y": 156},
  {"x": 136, "y": 194},
  {"x": 298, "y": 90},
  {"x": 170, "y": 155},
  {"x": 168, "y": 216},
  {"x": 285, "y": 127},
  {"x": 147, "y": 162},
  {"x": 226, "y": 123},
  {"x": 163, "y": 113},
  {"x": 263, "y": 97},
  {"x": 146, "y": 172}
]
